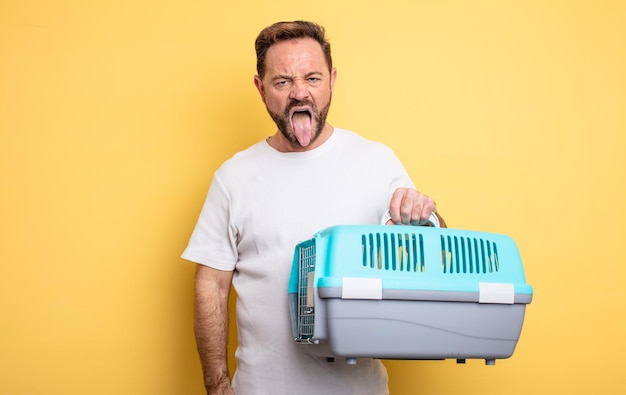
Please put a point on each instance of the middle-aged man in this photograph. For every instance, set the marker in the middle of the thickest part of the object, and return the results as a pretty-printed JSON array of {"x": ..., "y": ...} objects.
[{"x": 305, "y": 177}]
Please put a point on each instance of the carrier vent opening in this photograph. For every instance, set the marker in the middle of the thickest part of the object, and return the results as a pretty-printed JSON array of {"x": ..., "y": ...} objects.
[
  {"x": 468, "y": 255},
  {"x": 393, "y": 251},
  {"x": 306, "y": 308}
]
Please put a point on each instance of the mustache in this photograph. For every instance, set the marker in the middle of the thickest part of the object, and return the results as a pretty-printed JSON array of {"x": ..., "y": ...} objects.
[{"x": 300, "y": 103}]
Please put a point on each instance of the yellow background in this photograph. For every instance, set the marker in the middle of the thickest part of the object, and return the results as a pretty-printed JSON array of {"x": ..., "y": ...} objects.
[{"x": 114, "y": 115}]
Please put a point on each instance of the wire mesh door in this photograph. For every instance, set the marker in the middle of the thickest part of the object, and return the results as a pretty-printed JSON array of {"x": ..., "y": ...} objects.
[{"x": 306, "y": 297}]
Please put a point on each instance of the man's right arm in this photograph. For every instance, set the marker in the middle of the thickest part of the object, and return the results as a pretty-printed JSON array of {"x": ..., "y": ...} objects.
[{"x": 211, "y": 327}]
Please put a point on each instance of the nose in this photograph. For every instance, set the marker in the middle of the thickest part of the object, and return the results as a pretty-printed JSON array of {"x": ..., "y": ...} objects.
[{"x": 299, "y": 90}]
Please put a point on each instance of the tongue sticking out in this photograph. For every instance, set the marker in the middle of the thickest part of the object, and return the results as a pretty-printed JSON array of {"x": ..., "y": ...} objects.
[{"x": 302, "y": 127}]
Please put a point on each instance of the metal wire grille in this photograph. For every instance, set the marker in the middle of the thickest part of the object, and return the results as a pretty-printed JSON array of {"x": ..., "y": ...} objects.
[{"x": 306, "y": 308}]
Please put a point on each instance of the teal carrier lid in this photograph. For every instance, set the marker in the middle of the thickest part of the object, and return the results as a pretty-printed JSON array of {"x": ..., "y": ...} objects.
[{"x": 371, "y": 260}]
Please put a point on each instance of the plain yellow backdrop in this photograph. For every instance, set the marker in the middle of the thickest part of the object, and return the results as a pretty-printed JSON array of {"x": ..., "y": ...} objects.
[{"x": 114, "y": 115}]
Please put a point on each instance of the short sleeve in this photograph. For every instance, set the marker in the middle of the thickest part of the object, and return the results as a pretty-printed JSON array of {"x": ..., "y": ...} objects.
[{"x": 214, "y": 240}]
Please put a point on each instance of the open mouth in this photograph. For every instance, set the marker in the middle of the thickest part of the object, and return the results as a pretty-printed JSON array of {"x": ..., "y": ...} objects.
[{"x": 301, "y": 120}]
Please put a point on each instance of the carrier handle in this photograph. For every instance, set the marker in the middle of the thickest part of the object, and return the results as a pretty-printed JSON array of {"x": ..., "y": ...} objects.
[{"x": 433, "y": 220}]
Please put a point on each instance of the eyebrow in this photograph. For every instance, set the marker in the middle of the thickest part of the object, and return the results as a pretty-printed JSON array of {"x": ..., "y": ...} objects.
[{"x": 289, "y": 77}]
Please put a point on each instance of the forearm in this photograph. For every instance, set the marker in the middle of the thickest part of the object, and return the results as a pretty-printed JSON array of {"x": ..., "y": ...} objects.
[{"x": 211, "y": 328}]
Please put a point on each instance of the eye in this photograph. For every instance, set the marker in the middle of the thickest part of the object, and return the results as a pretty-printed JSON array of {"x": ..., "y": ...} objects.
[{"x": 280, "y": 83}]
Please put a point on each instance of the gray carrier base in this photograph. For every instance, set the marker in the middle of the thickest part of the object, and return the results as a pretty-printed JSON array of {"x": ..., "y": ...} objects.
[{"x": 437, "y": 327}]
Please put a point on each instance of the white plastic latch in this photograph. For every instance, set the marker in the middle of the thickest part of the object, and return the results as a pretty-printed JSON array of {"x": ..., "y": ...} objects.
[
  {"x": 362, "y": 288},
  {"x": 502, "y": 293}
]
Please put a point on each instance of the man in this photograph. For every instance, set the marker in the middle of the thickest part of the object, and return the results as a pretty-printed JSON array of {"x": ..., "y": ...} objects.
[{"x": 265, "y": 199}]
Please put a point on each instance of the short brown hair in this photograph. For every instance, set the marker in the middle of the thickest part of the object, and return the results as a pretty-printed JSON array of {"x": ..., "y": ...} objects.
[{"x": 283, "y": 31}]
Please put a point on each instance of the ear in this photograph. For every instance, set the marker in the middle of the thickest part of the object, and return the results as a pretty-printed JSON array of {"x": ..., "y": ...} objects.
[
  {"x": 333, "y": 77},
  {"x": 259, "y": 86}
]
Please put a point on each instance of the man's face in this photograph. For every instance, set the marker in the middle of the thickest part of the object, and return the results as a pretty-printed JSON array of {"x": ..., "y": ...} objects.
[{"x": 297, "y": 89}]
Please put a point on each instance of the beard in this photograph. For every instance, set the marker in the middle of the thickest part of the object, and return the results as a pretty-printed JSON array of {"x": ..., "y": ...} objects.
[{"x": 284, "y": 125}]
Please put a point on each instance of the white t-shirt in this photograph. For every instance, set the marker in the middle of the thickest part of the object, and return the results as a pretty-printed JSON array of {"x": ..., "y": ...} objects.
[{"x": 261, "y": 203}]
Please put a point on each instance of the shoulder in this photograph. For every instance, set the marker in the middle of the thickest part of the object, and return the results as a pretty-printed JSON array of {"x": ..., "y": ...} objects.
[
  {"x": 348, "y": 138},
  {"x": 245, "y": 158},
  {"x": 252, "y": 152}
]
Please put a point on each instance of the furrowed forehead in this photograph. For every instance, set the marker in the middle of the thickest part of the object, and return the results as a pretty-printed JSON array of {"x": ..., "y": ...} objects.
[{"x": 295, "y": 57}]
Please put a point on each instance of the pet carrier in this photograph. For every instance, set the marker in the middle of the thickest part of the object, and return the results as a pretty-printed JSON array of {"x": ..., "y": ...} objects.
[{"x": 407, "y": 292}]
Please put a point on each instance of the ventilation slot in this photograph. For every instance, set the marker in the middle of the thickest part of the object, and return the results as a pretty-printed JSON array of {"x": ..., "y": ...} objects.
[
  {"x": 468, "y": 255},
  {"x": 393, "y": 251}
]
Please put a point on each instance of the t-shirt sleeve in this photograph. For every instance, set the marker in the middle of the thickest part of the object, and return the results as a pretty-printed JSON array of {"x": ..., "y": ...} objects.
[
  {"x": 398, "y": 176},
  {"x": 214, "y": 239}
]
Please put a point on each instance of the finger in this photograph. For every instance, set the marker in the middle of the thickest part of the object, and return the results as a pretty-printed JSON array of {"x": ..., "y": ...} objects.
[
  {"x": 428, "y": 207},
  {"x": 395, "y": 204},
  {"x": 409, "y": 207},
  {"x": 417, "y": 208}
]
